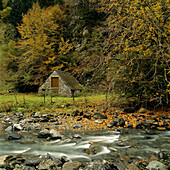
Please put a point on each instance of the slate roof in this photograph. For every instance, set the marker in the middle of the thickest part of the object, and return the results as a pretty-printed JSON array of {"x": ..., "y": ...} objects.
[{"x": 69, "y": 80}]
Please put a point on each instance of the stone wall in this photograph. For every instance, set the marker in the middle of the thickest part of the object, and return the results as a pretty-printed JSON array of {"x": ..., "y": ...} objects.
[{"x": 63, "y": 89}]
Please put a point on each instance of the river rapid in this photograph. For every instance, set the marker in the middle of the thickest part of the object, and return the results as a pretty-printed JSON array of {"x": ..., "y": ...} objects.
[{"x": 133, "y": 143}]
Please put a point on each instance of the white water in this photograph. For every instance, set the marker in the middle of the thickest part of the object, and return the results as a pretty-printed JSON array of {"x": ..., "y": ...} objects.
[{"x": 134, "y": 144}]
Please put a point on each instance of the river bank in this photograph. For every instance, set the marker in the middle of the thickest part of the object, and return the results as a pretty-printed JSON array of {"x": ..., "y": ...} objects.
[{"x": 122, "y": 139}]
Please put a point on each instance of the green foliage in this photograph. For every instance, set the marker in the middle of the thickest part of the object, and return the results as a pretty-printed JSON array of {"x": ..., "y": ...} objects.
[
  {"x": 7, "y": 33},
  {"x": 41, "y": 37}
]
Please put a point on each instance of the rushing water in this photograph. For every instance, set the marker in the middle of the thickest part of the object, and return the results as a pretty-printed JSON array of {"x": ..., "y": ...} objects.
[{"x": 135, "y": 144}]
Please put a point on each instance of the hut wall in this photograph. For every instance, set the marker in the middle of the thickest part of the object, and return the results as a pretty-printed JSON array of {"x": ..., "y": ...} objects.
[{"x": 63, "y": 89}]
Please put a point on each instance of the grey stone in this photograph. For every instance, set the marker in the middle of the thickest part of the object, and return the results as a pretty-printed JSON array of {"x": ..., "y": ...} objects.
[
  {"x": 44, "y": 134},
  {"x": 55, "y": 134},
  {"x": 48, "y": 164},
  {"x": 17, "y": 127},
  {"x": 77, "y": 126},
  {"x": 98, "y": 115},
  {"x": 99, "y": 121},
  {"x": 75, "y": 165},
  {"x": 94, "y": 149},
  {"x": 121, "y": 122},
  {"x": 156, "y": 165},
  {"x": 3, "y": 158},
  {"x": 14, "y": 136}
]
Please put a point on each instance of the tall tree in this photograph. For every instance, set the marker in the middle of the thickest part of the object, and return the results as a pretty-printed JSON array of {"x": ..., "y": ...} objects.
[
  {"x": 138, "y": 42},
  {"x": 41, "y": 39}
]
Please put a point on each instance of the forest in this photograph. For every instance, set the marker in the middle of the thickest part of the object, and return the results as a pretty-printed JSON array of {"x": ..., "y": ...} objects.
[{"x": 121, "y": 46}]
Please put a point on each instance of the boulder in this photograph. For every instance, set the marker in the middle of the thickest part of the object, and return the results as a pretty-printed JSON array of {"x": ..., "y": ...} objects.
[
  {"x": 48, "y": 164},
  {"x": 87, "y": 115},
  {"x": 44, "y": 134},
  {"x": 17, "y": 127},
  {"x": 34, "y": 161},
  {"x": 75, "y": 165},
  {"x": 121, "y": 161},
  {"x": 77, "y": 126},
  {"x": 14, "y": 136},
  {"x": 3, "y": 159},
  {"x": 98, "y": 115},
  {"x": 37, "y": 114},
  {"x": 99, "y": 121},
  {"x": 156, "y": 165},
  {"x": 121, "y": 122},
  {"x": 94, "y": 149},
  {"x": 55, "y": 134}
]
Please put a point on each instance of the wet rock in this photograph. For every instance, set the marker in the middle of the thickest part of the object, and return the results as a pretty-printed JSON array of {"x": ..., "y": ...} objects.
[
  {"x": 153, "y": 158},
  {"x": 77, "y": 126},
  {"x": 3, "y": 159},
  {"x": 139, "y": 125},
  {"x": 98, "y": 121},
  {"x": 19, "y": 114},
  {"x": 115, "y": 122},
  {"x": 116, "y": 113},
  {"x": 27, "y": 121},
  {"x": 94, "y": 149},
  {"x": 156, "y": 165},
  {"x": 100, "y": 165},
  {"x": 52, "y": 120},
  {"x": 76, "y": 136},
  {"x": 132, "y": 167},
  {"x": 87, "y": 116},
  {"x": 64, "y": 159},
  {"x": 32, "y": 161},
  {"x": 44, "y": 134},
  {"x": 121, "y": 161},
  {"x": 37, "y": 114},
  {"x": 75, "y": 165},
  {"x": 79, "y": 119},
  {"x": 48, "y": 164},
  {"x": 9, "y": 128},
  {"x": 130, "y": 125},
  {"x": 121, "y": 122},
  {"x": 162, "y": 155},
  {"x": 75, "y": 112},
  {"x": 109, "y": 125},
  {"x": 81, "y": 113},
  {"x": 44, "y": 120},
  {"x": 14, "y": 136},
  {"x": 17, "y": 127},
  {"x": 98, "y": 115},
  {"x": 55, "y": 134}
]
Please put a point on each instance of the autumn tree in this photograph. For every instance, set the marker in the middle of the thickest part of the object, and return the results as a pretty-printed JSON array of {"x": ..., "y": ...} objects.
[
  {"x": 41, "y": 40},
  {"x": 139, "y": 49}
]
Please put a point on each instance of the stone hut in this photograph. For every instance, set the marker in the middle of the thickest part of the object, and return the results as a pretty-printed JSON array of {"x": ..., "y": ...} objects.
[{"x": 62, "y": 83}]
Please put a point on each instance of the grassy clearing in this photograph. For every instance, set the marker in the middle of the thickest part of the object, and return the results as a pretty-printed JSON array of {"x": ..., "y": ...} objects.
[{"x": 33, "y": 102}]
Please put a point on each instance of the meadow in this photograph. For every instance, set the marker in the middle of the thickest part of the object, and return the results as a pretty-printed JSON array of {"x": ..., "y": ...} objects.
[{"x": 34, "y": 102}]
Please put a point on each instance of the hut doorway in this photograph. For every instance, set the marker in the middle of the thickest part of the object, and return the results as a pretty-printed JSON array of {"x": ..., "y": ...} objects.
[{"x": 54, "y": 84}]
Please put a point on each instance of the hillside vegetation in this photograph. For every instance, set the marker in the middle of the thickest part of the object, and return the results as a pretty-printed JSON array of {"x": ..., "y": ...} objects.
[{"x": 117, "y": 46}]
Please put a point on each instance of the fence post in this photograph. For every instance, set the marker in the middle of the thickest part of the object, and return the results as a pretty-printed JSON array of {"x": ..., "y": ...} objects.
[{"x": 16, "y": 98}]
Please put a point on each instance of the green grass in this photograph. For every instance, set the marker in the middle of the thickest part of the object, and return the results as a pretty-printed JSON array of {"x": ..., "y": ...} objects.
[{"x": 34, "y": 102}]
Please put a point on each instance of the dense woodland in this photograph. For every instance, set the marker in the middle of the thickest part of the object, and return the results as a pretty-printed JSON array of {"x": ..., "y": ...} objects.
[{"x": 121, "y": 46}]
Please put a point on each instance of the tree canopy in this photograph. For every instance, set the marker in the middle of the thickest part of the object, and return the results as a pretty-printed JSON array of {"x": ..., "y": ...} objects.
[{"x": 121, "y": 44}]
